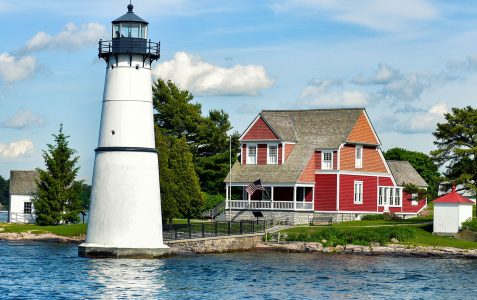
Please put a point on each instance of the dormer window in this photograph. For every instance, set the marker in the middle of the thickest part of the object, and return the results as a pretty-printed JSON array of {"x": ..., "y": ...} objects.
[
  {"x": 251, "y": 154},
  {"x": 358, "y": 162},
  {"x": 327, "y": 160},
  {"x": 272, "y": 157}
]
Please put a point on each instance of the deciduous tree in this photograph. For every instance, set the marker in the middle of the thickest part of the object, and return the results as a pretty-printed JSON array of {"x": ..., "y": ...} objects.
[{"x": 58, "y": 199}]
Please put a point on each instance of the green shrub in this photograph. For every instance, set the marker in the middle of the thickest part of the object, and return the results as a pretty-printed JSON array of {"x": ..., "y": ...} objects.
[
  {"x": 470, "y": 224},
  {"x": 359, "y": 236},
  {"x": 212, "y": 201},
  {"x": 372, "y": 217}
]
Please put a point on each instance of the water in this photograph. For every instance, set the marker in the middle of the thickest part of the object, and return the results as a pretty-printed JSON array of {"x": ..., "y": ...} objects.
[{"x": 53, "y": 271}]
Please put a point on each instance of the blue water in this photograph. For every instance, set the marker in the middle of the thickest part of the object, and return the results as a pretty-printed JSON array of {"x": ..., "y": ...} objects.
[{"x": 36, "y": 270}]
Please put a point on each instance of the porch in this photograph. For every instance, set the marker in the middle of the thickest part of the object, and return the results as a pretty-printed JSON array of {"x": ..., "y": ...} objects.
[{"x": 293, "y": 197}]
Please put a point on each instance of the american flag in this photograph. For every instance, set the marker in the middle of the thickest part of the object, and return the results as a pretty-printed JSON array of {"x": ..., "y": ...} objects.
[{"x": 256, "y": 185}]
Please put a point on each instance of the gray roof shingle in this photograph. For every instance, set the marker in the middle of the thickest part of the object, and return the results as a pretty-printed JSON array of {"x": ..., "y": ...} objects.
[
  {"x": 403, "y": 172},
  {"x": 23, "y": 182}
]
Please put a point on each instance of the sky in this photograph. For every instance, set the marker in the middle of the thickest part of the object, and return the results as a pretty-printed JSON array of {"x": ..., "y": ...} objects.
[{"x": 407, "y": 62}]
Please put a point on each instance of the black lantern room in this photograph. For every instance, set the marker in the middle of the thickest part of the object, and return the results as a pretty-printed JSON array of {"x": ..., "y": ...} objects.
[{"x": 129, "y": 36}]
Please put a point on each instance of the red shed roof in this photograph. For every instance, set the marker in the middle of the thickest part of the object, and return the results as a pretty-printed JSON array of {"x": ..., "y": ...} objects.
[{"x": 453, "y": 197}]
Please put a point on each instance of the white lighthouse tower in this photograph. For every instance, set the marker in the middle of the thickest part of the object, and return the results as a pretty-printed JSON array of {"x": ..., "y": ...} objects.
[{"x": 125, "y": 210}]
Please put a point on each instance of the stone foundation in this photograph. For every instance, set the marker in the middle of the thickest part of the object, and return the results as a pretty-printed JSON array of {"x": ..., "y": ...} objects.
[
  {"x": 275, "y": 217},
  {"x": 216, "y": 244},
  {"x": 112, "y": 252}
]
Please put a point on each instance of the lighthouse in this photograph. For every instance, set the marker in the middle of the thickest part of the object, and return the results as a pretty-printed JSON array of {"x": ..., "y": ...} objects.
[{"x": 125, "y": 217}]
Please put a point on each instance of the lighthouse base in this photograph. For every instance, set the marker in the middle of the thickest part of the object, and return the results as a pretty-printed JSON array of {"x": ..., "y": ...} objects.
[{"x": 85, "y": 250}]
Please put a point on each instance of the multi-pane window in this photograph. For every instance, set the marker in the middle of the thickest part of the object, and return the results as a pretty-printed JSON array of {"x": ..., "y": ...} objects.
[
  {"x": 27, "y": 207},
  {"x": 327, "y": 160},
  {"x": 272, "y": 154},
  {"x": 389, "y": 196},
  {"x": 252, "y": 154},
  {"x": 359, "y": 157},
  {"x": 358, "y": 192}
]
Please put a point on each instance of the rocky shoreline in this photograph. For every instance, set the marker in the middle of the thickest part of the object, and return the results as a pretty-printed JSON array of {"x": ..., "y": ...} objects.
[
  {"x": 390, "y": 249},
  {"x": 294, "y": 247}
]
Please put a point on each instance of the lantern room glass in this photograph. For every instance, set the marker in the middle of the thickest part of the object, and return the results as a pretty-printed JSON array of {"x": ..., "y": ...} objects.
[{"x": 130, "y": 30}]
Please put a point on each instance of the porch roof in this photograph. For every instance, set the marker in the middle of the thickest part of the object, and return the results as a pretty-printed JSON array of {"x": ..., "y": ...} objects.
[{"x": 290, "y": 171}]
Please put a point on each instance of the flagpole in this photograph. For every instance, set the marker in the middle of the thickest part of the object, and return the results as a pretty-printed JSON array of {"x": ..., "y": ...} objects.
[{"x": 230, "y": 177}]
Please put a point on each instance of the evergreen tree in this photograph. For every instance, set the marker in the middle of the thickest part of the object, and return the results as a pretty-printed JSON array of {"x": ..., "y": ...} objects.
[
  {"x": 423, "y": 164},
  {"x": 58, "y": 199},
  {"x": 4, "y": 192},
  {"x": 456, "y": 141}
]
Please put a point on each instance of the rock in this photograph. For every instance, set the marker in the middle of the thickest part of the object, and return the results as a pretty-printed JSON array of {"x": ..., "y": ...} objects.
[
  {"x": 394, "y": 240},
  {"x": 324, "y": 241}
]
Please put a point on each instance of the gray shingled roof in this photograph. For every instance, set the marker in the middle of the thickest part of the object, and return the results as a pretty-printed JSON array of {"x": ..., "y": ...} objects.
[
  {"x": 323, "y": 128},
  {"x": 403, "y": 172},
  {"x": 23, "y": 182},
  {"x": 310, "y": 129}
]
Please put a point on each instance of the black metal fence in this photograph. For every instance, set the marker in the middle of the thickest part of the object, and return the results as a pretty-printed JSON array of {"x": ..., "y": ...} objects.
[{"x": 211, "y": 229}]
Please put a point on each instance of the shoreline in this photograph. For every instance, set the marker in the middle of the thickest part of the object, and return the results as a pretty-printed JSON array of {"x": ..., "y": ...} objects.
[{"x": 291, "y": 247}]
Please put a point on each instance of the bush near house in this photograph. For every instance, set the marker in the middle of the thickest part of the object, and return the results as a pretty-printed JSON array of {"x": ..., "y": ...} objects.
[
  {"x": 470, "y": 224},
  {"x": 372, "y": 217},
  {"x": 358, "y": 236}
]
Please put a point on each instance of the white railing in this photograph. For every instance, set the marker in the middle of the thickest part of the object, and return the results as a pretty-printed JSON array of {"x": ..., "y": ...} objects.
[
  {"x": 269, "y": 205},
  {"x": 21, "y": 218}
]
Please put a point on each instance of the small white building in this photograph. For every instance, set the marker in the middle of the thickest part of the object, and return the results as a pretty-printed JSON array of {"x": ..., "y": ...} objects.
[
  {"x": 22, "y": 189},
  {"x": 450, "y": 211}
]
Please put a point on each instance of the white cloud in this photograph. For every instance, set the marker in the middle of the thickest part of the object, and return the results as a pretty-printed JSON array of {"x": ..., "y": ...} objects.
[
  {"x": 14, "y": 69},
  {"x": 72, "y": 37},
  {"x": 381, "y": 15},
  {"x": 202, "y": 78},
  {"x": 24, "y": 119},
  {"x": 328, "y": 93},
  {"x": 423, "y": 122},
  {"x": 16, "y": 149}
]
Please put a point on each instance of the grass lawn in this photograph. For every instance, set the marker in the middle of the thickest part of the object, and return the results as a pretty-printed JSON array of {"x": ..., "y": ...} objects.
[
  {"x": 384, "y": 222},
  {"x": 423, "y": 234},
  {"x": 62, "y": 230}
]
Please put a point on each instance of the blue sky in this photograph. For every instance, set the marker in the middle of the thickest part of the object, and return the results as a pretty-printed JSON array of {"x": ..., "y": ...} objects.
[{"x": 407, "y": 62}]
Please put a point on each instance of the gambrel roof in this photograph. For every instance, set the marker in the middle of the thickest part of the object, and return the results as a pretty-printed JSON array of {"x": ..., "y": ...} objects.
[
  {"x": 23, "y": 182},
  {"x": 403, "y": 172}
]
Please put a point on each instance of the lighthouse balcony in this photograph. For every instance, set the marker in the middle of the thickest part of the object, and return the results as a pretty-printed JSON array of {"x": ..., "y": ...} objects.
[{"x": 129, "y": 46}]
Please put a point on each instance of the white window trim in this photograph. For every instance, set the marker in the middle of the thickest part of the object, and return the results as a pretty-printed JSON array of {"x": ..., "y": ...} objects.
[
  {"x": 247, "y": 160},
  {"x": 268, "y": 154},
  {"x": 386, "y": 198},
  {"x": 323, "y": 160},
  {"x": 358, "y": 163},
  {"x": 359, "y": 183}
]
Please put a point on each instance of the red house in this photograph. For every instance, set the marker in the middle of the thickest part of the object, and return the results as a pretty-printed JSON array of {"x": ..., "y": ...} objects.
[{"x": 323, "y": 161}]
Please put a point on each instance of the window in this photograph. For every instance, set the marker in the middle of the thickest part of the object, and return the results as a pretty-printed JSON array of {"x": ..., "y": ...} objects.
[
  {"x": 272, "y": 155},
  {"x": 252, "y": 154},
  {"x": 358, "y": 192},
  {"x": 327, "y": 160},
  {"x": 381, "y": 196},
  {"x": 267, "y": 193},
  {"x": 397, "y": 197},
  {"x": 391, "y": 197},
  {"x": 359, "y": 157},
  {"x": 27, "y": 207}
]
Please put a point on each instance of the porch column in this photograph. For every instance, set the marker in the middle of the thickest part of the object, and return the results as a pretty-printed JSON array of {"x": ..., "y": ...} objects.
[
  {"x": 313, "y": 197},
  {"x": 294, "y": 197},
  {"x": 226, "y": 196},
  {"x": 272, "y": 196}
]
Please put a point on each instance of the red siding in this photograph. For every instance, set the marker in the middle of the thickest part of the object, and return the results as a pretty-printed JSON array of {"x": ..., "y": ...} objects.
[
  {"x": 325, "y": 192},
  {"x": 335, "y": 160},
  {"x": 370, "y": 186},
  {"x": 262, "y": 154},
  {"x": 288, "y": 150},
  {"x": 244, "y": 154},
  {"x": 407, "y": 204},
  {"x": 260, "y": 131},
  {"x": 308, "y": 174},
  {"x": 318, "y": 160},
  {"x": 308, "y": 194},
  {"x": 280, "y": 154},
  {"x": 385, "y": 181},
  {"x": 362, "y": 131}
]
